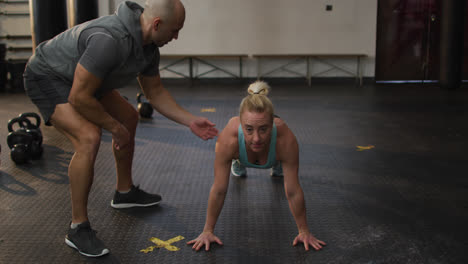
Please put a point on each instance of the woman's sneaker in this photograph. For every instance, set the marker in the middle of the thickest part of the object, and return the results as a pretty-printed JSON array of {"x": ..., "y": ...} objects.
[
  {"x": 277, "y": 170},
  {"x": 237, "y": 169},
  {"x": 134, "y": 198},
  {"x": 83, "y": 238}
]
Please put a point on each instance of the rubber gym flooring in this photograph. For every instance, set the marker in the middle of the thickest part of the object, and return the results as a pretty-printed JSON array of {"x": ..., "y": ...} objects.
[{"x": 383, "y": 168}]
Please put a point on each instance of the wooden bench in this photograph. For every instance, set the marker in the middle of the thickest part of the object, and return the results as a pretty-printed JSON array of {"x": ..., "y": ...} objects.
[
  {"x": 202, "y": 59},
  {"x": 308, "y": 59}
]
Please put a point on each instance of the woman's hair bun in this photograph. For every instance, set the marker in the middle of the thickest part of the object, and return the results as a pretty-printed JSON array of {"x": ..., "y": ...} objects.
[{"x": 259, "y": 87}]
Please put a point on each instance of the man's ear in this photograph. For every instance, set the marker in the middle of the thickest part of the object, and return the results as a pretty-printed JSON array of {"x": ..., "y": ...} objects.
[{"x": 156, "y": 23}]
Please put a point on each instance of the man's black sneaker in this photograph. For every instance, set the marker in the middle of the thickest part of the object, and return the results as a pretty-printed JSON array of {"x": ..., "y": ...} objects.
[
  {"x": 83, "y": 239},
  {"x": 135, "y": 198}
]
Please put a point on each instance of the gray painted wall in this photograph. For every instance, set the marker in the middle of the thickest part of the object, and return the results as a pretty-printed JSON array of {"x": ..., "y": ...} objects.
[{"x": 255, "y": 27}]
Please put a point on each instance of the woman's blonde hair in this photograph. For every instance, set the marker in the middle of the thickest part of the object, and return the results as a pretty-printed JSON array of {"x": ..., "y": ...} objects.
[{"x": 257, "y": 100}]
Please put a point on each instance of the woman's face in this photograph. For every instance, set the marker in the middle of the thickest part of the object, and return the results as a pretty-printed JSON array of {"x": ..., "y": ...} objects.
[{"x": 257, "y": 130}]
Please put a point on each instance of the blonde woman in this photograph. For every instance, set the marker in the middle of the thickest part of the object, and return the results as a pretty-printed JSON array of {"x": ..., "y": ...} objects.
[{"x": 256, "y": 138}]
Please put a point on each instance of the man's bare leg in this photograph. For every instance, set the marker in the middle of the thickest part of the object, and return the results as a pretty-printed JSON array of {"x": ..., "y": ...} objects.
[
  {"x": 86, "y": 138},
  {"x": 121, "y": 110}
]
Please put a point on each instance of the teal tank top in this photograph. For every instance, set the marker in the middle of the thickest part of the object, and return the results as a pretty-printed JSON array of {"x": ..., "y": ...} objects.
[{"x": 243, "y": 152}]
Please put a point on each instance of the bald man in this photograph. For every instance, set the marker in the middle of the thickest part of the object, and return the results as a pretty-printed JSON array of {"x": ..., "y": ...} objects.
[{"x": 72, "y": 80}]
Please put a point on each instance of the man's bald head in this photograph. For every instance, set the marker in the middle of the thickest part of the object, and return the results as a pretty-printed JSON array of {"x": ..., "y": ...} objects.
[
  {"x": 165, "y": 9},
  {"x": 161, "y": 21}
]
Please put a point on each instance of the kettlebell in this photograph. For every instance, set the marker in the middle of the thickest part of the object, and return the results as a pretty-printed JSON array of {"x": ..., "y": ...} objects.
[
  {"x": 34, "y": 130},
  {"x": 19, "y": 140},
  {"x": 145, "y": 109}
]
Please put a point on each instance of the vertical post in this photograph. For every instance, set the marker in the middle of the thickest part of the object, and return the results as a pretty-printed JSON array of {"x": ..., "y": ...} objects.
[
  {"x": 191, "y": 68},
  {"x": 3, "y": 67},
  {"x": 359, "y": 71},
  {"x": 451, "y": 43},
  {"x": 81, "y": 11},
  {"x": 48, "y": 19},
  {"x": 240, "y": 66},
  {"x": 258, "y": 68}
]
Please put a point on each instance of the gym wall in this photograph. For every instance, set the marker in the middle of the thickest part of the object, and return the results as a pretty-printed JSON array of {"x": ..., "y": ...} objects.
[
  {"x": 256, "y": 27},
  {"x": 278, "y": 27}
]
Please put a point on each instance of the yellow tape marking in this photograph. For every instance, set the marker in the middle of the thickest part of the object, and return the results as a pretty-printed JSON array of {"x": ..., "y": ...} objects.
[
  {"x": 163, "y": 244},
  {"x": 361, "y": 148},
  {"x": 212, "y": 110}
]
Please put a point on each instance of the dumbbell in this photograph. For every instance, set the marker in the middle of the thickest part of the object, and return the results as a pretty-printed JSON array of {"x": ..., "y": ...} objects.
[
  {"x": 145, "y": 109},
  {"x": 19, "y": 140},
  {"x": 34, "y": 130}
]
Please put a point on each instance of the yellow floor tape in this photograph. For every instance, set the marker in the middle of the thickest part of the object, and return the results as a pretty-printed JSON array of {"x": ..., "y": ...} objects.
[
  {"x": 163, "y": 244},
  {"x": 361, "y": 148}
]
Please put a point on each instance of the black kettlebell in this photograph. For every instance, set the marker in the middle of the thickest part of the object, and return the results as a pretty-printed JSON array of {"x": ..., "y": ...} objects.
[
  {"x": 19, "y": 140},
  {"x": 34, "y": 130},
  {"x": 145, "y": 109}
]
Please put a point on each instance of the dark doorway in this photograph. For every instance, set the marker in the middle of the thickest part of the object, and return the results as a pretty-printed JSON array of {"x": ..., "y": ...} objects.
[
  {"x": 465, "y": 49},
  {"x": 407, "y": 40}
]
